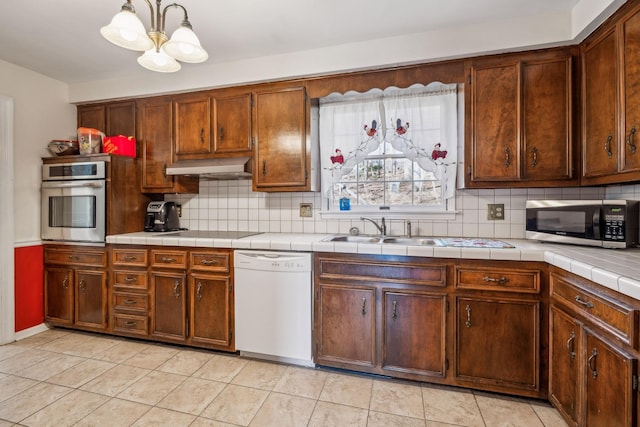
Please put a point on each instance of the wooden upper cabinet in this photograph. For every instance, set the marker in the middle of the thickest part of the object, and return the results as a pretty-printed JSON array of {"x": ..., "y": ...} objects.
[
  {"x": 192, "y": 126},
  {"x": 115, "y": 118},
  {"x": 630, "y": 31},
  {"x": 495, "y": 121},
  {"x": 281, "y": 156},
  {"x": 231, "y": 124},
  {"x": 155, "y": 137},
  {"x": 600, "y": 140},
  {"x": 520, "y": 112}
]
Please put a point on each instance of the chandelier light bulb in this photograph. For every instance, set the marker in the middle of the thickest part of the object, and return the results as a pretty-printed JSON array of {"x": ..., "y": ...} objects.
[
  {"x": 158, "y": 61},
  {"x": 126, "y": 30},
  {"x": 185, "y": 46}
]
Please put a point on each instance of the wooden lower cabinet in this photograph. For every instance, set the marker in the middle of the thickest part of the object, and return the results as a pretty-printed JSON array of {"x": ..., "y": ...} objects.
[
  {"x": 75, "y": 287},
  {"x": 345, "y": 326},
  {"x": 414, "y": 333},
  {"x": 169, "y": 305},
  {"x": 497, "y": 343},
  {"x": 593, "y": 374},
  {"x": 210, "y": 316}
]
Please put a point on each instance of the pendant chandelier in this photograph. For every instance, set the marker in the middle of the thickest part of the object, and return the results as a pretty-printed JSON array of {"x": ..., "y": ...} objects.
[{"x": 160, "y": 53}]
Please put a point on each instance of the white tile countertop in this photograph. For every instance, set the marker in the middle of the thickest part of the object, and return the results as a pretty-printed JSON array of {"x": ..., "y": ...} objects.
[{"x": 617, "y": 269}]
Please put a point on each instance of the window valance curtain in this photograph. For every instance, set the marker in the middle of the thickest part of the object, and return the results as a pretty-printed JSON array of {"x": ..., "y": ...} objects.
[{"x": 420, "y": 122}]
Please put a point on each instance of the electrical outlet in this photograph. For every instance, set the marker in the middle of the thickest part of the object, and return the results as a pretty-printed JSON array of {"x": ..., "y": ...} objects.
[
  {"x": 495, "y": 211},
  {"x": 306, "y": 210}
]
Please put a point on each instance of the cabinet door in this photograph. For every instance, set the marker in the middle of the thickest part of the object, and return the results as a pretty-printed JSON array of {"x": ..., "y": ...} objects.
[
  {"x": 600, "y": 143},
  {"x": 281, "y": 149},
  {"x": 345, "y": 326},
  {"x": 91, "y": 299},
  {"x": 192, "y": 125},
  {"x": 58, "y": 295},
  {"x": 232, "y": 124},
  {"x": 631, "y": 85},
  {"x": 609, "y": 391},
  {"x": 414, "y": 333},
  {"x": 155, "y": 137},
  {"x": 155, "y": 122},
  {"x": 210, "y": 311},
  {"x": 497, "y": 342},
  {"x": 564, "y": 370},
  {"x": 547, "y": 124},
  {"x": 495, "y": 112},
  {"x": 169, "y": 305},
  {"x": 92, "y": 116},
  {"x": 121, "y": 118}
]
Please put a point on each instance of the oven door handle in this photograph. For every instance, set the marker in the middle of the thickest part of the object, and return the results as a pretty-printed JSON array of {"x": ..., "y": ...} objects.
[{"x": 95, "y": 184}]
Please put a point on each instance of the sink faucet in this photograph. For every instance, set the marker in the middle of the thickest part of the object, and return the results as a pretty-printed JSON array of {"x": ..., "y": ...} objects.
[{"x": 382, "y": 227}]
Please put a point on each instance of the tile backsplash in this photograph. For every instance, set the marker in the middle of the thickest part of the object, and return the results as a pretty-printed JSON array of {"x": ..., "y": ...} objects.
[{"x": 232, "y": 205}]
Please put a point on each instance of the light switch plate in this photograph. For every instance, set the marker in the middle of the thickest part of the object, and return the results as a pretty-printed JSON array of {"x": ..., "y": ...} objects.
[
  {"x": 495, "y": 211},
  {"x": 306, "y": 210}
]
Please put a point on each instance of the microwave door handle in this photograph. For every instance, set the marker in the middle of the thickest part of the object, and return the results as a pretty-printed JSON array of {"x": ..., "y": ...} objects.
[
  {"x": 596, "y": 224},
  {"x": 97, "y": 184}
]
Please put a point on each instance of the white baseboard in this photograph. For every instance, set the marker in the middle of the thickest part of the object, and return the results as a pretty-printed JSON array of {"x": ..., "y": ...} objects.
[{"x": 26, "y": 333}]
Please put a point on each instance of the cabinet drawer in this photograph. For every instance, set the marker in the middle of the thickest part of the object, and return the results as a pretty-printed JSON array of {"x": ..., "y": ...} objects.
[
  {"x": 130, "y": 257},
  {"x": 130, "y": 279},
  {"x": 131, "y": 302},
  {"x": 502, "y": 280},
  {"x": 612, "y": 315},
  {"x": 209, "y": 261},
  {"x": 168, "y": 259},
  {"x": 129, "y": 324},
  {"x": 383, "y": 271},
  {"x": 75, "y": 257}
]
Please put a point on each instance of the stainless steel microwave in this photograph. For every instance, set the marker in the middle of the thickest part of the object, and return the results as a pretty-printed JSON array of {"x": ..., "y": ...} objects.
[{"x": 605, "y": 223}]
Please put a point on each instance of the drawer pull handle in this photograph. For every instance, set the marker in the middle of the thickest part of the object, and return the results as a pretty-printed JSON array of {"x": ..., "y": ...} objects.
[
  {"x": 82, "y": 285},
  {"x": 73, "y": 258},
  {"x": 607, "y": 146},
  {"x": 364, "y": 306},
  {"x": 176, "y": 289},
  {"x": 587, "y": 304},
  {"x": 264, "y": 168},
  {"x": 167, "y": 260},
  {"x": 571, "y": 345},
  {"x": 221, "y": 133},
  {"x": 468, "y": 322},
  {"x": 492, "y": 279},
  {"x": 130, "y": 279},
  {"x": 632, "y": 145},
  {"x": 507, "y": 157},
  {"x": 201, "y": 135},
  {"x": 209, "y": 261},
  {"x": 591, "y": 363},
  {"x": 130, "y": 301},
  {"x": 199, "y": 291},
  {"x": 130, "y": 258},
  {"x": 65, "y": 282},
  {"x": 130, "y": 323},
  {"x": 534, "y": 155},
  {"x": 394, "y": 315}
]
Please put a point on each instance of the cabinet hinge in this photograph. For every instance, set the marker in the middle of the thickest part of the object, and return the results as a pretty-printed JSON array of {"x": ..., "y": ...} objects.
[{"x": 634, "y": 382}]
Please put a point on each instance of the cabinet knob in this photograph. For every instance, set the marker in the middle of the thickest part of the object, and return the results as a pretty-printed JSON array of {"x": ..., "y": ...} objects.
[
  {"x": 201, "y": 135},
  {"x": 82, "y": 285},
  {"x": 199, "y": 291},
  {"x": 221, "y": 133},
  {"x": 176, "y": 289},
  {"x": 507, "y": 157},
  {"x": 468, "y": 322},
  {"x": 607, "y": 146},
  {"x": 534, "y": 157}
]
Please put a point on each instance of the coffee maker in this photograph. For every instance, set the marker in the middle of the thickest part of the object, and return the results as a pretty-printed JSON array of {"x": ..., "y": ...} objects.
[{"x": 162, "y": 216}]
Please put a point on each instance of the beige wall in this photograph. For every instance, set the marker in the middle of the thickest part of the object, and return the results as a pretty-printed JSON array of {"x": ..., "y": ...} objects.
[{"x": 41, "y": 113}]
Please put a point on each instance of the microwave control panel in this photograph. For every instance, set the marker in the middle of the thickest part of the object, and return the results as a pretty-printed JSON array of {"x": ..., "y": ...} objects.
[{"x": 614, "y": 223}]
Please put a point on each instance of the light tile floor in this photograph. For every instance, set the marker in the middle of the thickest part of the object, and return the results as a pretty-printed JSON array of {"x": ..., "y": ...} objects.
[{"x": 64, "y": 378}]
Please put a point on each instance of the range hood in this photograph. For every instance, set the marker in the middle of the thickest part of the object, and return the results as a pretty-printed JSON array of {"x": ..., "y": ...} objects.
[{"x": 215, "y": 169}]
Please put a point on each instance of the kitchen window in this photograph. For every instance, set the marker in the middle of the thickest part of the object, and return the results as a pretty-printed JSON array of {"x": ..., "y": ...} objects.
[{"x": 391, "y": 151}]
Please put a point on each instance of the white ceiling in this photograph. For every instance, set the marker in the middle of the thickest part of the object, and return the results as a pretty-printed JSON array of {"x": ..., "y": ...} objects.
[{"x": 60, "y": 38}]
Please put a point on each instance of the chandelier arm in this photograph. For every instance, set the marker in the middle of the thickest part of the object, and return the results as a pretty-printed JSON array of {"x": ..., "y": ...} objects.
[{"x": 185, "y": 21}]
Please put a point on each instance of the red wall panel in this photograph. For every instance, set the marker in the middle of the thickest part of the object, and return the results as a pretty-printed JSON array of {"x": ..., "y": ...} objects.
[{"x": 29, "y": 286}]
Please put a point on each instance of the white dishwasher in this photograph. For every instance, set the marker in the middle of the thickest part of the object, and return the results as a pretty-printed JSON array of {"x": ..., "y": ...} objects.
[{"x": 273, "y": 305}]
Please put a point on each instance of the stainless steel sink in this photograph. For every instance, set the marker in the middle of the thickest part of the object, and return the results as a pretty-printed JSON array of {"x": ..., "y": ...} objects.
[
  {"x": 353, "y": 239},
  {"x": 412, "y": 241},
  {"x": 409, "y": 241}
]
